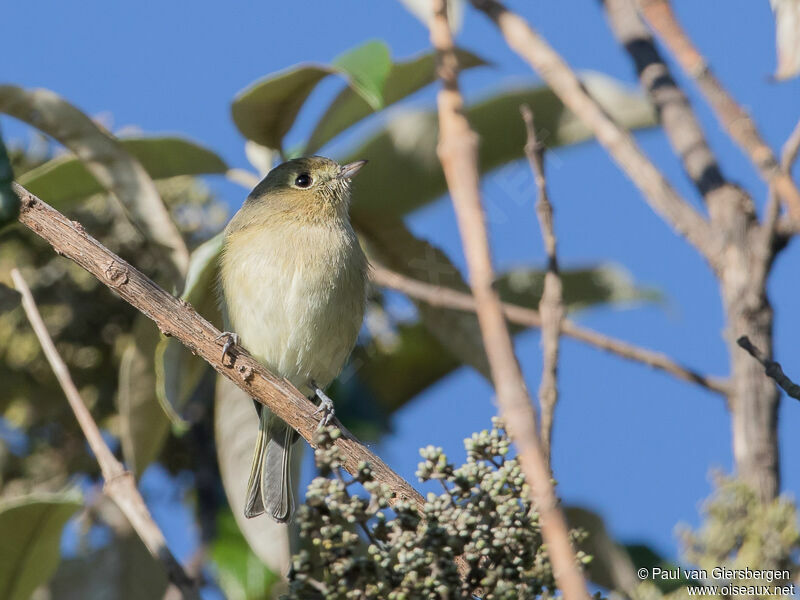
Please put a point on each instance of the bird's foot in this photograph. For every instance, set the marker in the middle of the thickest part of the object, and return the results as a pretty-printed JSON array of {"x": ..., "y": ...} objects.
[
  {"x": 325, "y": 406},
  {"x": 231, "y": 340}
]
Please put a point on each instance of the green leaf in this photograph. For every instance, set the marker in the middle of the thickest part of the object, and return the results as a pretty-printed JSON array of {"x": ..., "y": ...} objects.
[
  {"x": 390, "y": 243},
  {"x": 143, "y": 425},
  {"x": 407, "y": 144},
  {"x": 404, "y": 79},
  {"x": 266, "y": 110},
  {"x": 30, "y": 543},
  {"x": 240, "y": 573},
  {"x": 122, "y": 570},
  {"x": 368, "y": 67},
  {"x": 643, "y": 556},
  {"x": 614, "y": 565},
  {"x": 64, "y": 180},
  {"x": 582, "y": 287},
  {"x": 103, "y": 155},
  {"x": 423, "y": 353},
  {"x": 178, "y": 371},
  {"x": 235, "y": 430},
  {"x": 9, "y": 202},
  {"x": 610, "y": 567},
  {"x": 396, "y": 372}
]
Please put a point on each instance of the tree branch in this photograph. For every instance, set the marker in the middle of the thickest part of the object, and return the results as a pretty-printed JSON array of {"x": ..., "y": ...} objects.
[
  {"x": 789, "y": 153},
  {"x": 458, "y": 153},
  {"x": 733, "y": 118},
  {"x": 675, "y": 112},
  {"x": 772, "y": 368},
  {"x": 657, "y": 191},
  {"x": 551, "y": 304},
  {"x": 445, "y": 297},
  {"x": 119, "y": 483},
  {"x": 177, "y": 318}
]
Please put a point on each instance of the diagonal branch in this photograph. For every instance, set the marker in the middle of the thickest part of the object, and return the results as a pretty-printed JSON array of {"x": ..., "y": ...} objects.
[
  {"x": 551, "y": 304},
  {"x": 119, "y": 483},
  {"x": 446, "y": 297},
  {"x": 458, "y": 153},
  {"x": 675, "y": 112},
  {"x": 657, "y": 191},
  {"x": 175, "y": 317},
  {"x": 733, "y": 118},
  {"x": 789, "y": 153},
  {"x": 771, "y": 368}
]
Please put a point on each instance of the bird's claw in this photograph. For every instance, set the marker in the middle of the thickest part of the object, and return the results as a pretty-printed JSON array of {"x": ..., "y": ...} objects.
[
  {"x": 325, "y": 407},
  {"x": 231, "y": 340}
]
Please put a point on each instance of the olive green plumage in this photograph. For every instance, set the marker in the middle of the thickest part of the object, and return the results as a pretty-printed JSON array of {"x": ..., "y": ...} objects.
[{"x": 293, "y": 278}]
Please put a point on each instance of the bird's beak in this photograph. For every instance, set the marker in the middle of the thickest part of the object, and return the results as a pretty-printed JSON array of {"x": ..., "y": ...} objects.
[{"x": 348, "y": 171}]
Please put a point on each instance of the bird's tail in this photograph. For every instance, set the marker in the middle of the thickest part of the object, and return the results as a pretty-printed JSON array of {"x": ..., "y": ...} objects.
[{"x": 269, "y": 489}]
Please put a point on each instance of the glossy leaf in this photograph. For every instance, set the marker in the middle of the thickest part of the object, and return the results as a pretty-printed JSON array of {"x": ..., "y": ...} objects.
[
  {"x": 389, "y": 242},
  {"x": 396, "y": 373},
  {"x": 368, "y": 67},
  {"x": 143, "y": 425},
  {"x": 235, "y": 429},
  {"x": 614, "y": 565},
  {"x": 178, "y": 371},
  {"x": 582, "y": 287},
  {"x": 418, "y": 359},
  {"x": 123, "y": 569},
  {"x": 405, "y": 78},
  {"x": 239, "y": 572},
  {"x": 9, "y": 202},
  {"x": 404, "y": 151},
  {"x": 266, "y": 110},
  {"x": 611, "y": 567},
  {"x": 106, "y": 158},
  {"x": 65, "y": 180},
  {"x": 30, "y": 542}
]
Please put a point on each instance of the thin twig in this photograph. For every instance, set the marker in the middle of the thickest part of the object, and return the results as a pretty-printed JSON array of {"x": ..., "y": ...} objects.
[
  {"x": 119, "y": 483},
  {"x": 243, "y": 177},
  {"x": 771, "y": 368},
  {"x": 445, "y": 297},
  {"x": 733, "y": 118},
  {"x": 177, "y": 318},
  {"x": 458, "y": 153},
  {"x": 773, "y": 224},
  {"x": 551, "y": 304},
  {"x": 657, "y": 191}
]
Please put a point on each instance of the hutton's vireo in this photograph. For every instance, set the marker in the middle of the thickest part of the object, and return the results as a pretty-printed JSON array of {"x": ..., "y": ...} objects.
[{"x": 293, "y": 279}]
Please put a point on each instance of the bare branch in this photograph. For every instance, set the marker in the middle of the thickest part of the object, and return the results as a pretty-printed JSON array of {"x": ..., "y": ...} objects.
[
  {"x": 243, "y": 177},
  {"x": 791, "y": 149},
  {"x": 177, "y": 318},
  {"x": 772, "y": 368},
  {"x": 551, "y": 305},
  {"x": 675, "y": 112},
  {"x": 119, "y": 483},
  {"x": 458, "y": 153},
  {"x": 733, "y": 118},
  {"x": 773, "y": 224},
  {"x": 445, "y": 297},
  {"x": 656, "y": 190}
]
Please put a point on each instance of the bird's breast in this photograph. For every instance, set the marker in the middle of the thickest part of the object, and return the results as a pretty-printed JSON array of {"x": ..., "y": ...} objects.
[{"x": 295, "y": 295}]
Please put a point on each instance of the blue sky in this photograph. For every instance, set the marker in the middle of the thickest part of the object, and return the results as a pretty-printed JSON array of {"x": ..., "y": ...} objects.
[{"x": 635, "y": 445}]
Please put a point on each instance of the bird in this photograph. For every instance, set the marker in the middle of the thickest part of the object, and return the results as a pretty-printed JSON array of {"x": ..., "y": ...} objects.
[{"x": 293, "y": 281}]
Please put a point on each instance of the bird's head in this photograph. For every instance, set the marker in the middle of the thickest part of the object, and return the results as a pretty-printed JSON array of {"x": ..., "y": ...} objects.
[{"x": 310, "y": 186}]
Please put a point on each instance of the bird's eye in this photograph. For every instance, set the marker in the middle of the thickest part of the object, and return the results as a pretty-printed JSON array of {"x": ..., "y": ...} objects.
[{"x": 303, "y": 180}]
